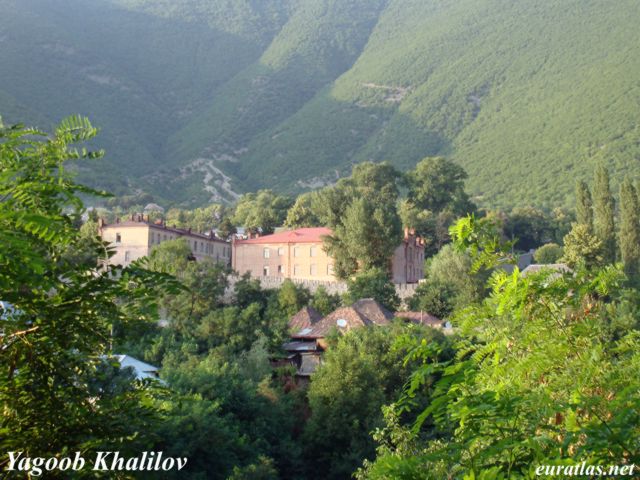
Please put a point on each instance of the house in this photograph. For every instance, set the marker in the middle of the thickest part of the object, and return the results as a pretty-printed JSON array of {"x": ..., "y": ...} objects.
[
  {"x": 308, "y": 343},
  {"x": 305, "y": 318},
  {"x": 300, "y": 254},
  {"x": 135, "y": 237}
]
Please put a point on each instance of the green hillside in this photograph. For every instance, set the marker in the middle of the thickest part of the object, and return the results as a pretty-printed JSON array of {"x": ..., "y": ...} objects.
[{"x": 200, "y": 100}]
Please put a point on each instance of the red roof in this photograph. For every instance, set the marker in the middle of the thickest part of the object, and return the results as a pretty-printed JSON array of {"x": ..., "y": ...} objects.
[{"x": 300, "y": 235}]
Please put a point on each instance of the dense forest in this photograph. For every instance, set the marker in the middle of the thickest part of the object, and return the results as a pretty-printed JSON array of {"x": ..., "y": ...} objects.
[
  {"x": 540, "y": 369},
  {"x": 201, "y": 100}
]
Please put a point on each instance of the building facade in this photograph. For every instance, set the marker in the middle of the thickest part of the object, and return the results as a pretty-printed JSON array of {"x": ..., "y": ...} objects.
[
  {"x": 291, "y": 254},
  {"x": 407, "y": 263},
  {"x": 135, "y": 237},
  {"x": 299, "y": 254}
]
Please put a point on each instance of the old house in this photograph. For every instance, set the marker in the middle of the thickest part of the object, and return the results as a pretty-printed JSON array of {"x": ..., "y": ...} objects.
[
  {"x": 308, "y": 343},
  {"x": 135, "y": 237},
  {"x": 299, "y": 254}
]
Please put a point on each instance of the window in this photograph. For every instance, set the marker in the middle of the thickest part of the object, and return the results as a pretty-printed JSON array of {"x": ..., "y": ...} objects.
[
  {"x": 280, "y": 251},
  {"x": 265, "y": 271},
  {"x": 279, "y": 269},
  {"x": 313, "y": 269},
  {"x": 153, "y": 237},
  {"x": 329, "y": 269},
  {"x": 164, "y": 237},
  {"x": 118, "y": 238},
  {"x": 127, "y": 256},
  {"x": 312, "y": 251},
  {"x": 296, "y": 270},
  {"x": 266, "y": 253},
  {"x": 296, "y": 251}
]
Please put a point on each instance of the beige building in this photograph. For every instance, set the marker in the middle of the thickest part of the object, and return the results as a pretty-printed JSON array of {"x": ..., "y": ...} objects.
[
  {"x": 299, "y": 254},
  {"x": 292, "y": 254},
  {"x": 135, "y": 237}
]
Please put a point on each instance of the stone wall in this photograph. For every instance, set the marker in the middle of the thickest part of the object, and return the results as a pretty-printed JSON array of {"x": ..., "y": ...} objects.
[{"x": 404, "y": 290}]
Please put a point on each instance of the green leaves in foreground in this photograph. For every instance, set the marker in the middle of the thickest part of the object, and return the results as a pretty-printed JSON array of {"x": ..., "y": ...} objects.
[
  {"x": 56, "y": 392},
  {"x": 546, "y": 371}
]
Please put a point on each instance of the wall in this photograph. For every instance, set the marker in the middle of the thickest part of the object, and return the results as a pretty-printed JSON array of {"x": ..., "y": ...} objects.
[
  {"x": 134, "y": 242},
  {"x": 404, "y": 290},
  {"x": 284, "y": 260}
]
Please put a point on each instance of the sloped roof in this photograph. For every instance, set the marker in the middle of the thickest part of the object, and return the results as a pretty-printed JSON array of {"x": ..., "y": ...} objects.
[
  {"x": 344, "y": 319},
  {"x": 422, "y": 318},
  {"x": 365, "y": 312},
  {"x": 372, "y": 310},
  {"x": 299, "y": 235},
  {"x": 141, "y": 369},
  {"x": 305, "y": 318}
]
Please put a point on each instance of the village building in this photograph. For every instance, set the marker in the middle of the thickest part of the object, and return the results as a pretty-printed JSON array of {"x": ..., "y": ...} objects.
[
  {"x": 308, "y": 330},
  {"x": 135, "y": 237},
  {"x": 300, "y": 254}
]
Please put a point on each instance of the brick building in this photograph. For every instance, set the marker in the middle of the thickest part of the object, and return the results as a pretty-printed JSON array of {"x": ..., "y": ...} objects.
[
  {"x": 135, "y": 237},
  {"x": 299, "y": 254}
]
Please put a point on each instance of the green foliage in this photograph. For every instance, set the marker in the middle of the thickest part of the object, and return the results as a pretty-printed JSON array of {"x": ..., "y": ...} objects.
[
  {"x": 529, "y": 227},
  {"x": 435, "y": 298},
  {"x": 292, "y": 297},
  {"x": 521, "y": 392},
  {"x": 199, "y": 219},
  {"x": 362, "y": 212},
  {"x": 302, "y": 213},
  {"x": 324, "y": 302},
  {"x": 582, "y": 248},
  {"x": 360, "y": 374},
  {"x": 482, "y": 240},
  {"x": 56, "y": 393},
  {"x": 449, "y": 284},
  {"x": 261, "y": 212},
  {"x": 548, "y": 253},
  {"x": 373, "y": 283},
  {"x": 584, "y": 204},
  {"x": 630, "y": 229},
  {"x": 604, "y": 211},
  {"x": 280, "y": 92},
  {"x": 437, "y": 184}
]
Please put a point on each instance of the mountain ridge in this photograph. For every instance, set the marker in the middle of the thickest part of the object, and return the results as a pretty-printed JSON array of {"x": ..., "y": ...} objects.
[{"x": 200, "y": 101}]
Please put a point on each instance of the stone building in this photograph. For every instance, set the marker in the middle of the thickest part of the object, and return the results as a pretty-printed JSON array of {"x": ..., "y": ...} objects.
[
  {"x": 135, "y": 237},
  {"x": 299, "y": 254}
]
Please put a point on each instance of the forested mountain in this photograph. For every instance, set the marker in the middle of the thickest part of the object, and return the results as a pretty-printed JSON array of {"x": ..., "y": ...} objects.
[{"x": 201, "y": 99}]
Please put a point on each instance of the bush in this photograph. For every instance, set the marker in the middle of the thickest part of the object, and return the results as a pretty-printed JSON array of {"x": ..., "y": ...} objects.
[{"x": 549, "y": 253}]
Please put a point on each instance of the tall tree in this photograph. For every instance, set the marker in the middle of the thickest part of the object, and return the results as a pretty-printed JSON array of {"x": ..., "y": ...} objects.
[
  {"x": 437, "y": 184},
  {"x": 58, "y": 327},
  {"x": 262, "y": 211},
  {"x": 362, "y": 212},
  {"x": 581, "y": 247},
  {"x": 584, "y": 204},
  {"x": 630, "y": 229},
  {"x": 604, "y": 208},
  {"x": 365, "y": 239}
]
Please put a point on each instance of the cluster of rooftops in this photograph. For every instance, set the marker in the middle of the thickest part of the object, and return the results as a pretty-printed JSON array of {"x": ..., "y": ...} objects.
[{"x": 309, "y": 329}]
